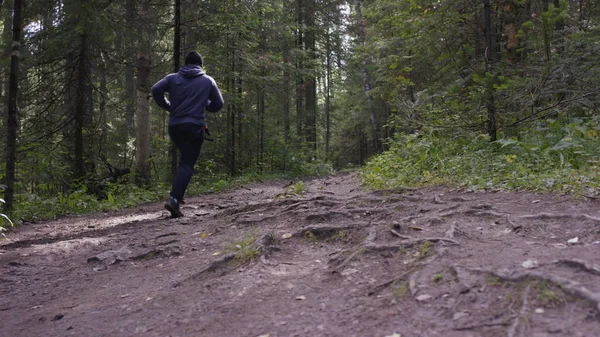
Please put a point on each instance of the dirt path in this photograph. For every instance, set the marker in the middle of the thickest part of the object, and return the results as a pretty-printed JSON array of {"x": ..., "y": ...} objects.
[{"x": 334, "y": 261}]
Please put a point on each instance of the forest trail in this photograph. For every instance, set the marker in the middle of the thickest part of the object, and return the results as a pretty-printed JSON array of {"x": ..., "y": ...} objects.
[{"x": 337, "y": 260}]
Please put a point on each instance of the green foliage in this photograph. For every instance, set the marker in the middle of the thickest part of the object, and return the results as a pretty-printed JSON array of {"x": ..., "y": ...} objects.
[
  {"x": 560, "y": 156},
  {"x": 244, "y": 248},
  {"x": 4, "y": 219},
  {"x": 31, "y": 207},
  {"x": 297, "y": 188}
]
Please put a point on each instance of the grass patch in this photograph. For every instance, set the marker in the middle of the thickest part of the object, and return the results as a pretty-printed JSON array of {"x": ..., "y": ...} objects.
[
  {"x": 244, "y": 248},
  {"x": 401, "y": 291}
]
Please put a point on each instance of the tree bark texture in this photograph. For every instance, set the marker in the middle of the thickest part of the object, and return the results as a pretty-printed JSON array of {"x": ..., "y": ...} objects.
[
  {"x": 142, "y": 160},
  {"x": 489, "y": 56},
  {"x": 176, "y": 65},
  {"x": 11, "y": 121},
  {"x": 367, "y": 80}
]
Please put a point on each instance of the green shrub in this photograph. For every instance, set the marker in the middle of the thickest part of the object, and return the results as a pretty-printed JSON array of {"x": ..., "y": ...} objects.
[{"x": 554, "y": 156}]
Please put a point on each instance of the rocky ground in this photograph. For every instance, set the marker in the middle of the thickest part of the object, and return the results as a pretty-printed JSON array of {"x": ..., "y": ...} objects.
[{"x": 336, "y": 260}]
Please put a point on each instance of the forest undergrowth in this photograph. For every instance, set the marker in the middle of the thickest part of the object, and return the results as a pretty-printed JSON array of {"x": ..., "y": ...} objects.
[
  {"x": 124, "y": 194},
  {"x": 560, "y": 156}
]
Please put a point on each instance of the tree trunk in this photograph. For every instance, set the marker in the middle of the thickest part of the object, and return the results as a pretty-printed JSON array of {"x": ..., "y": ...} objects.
[
  {"x": 286, "y": 93},
  {"x": 80, "y": 108},
  {"x": 5, "y": 71},
  {"x": 489, "y": 56},
  {"x": 11, "y": 121},
  {"x": 310, "y": 120},
  {"x": 328, "y": 94},
  {"x": 176, "y": 65},
  {"x": 367, "y": 80},
  {"x": 130, "y": 85},
  {"x": 142, "y": 160},
  {"x": 299, "y": 68}
]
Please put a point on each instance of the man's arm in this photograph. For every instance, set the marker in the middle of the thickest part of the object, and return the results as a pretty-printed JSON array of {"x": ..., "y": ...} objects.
[
  {"x": 158, "y": 92},
  {"x": 216, "y": 99}
]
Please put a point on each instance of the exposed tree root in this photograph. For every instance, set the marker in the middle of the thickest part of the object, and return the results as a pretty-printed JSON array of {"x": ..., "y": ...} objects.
[
  {"x": 570, "y": 286},
  {"x": 548, "y": 216},
  {"x": 522, "y": 314},
  {"x": 449, "y": 208},
  {"x": 214, "y": 266},
  {"x": 327, "y": 216},
  {"x": 488, "y": 323},
  {"x": 581, "y": 264},
  {"x": 477, "y": 212},
  {"x": 347, "y": 260},
  {"x": 322, "y": 232},
  {"x": 378, "y": 288},
  {"x": 264, "y": 245},
  {"x": 408, "y": 244},
  {"x": 515, "y": 227},
  {"x": 473, "y": 212},
  {"x": 403, "y": 237}
]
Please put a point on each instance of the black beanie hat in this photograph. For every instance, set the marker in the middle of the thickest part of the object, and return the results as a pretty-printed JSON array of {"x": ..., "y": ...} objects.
[{"x": 194, "y": 58}]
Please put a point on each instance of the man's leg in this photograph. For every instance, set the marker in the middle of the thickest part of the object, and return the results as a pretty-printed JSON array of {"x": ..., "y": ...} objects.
[{"x": 188, "y": 138}]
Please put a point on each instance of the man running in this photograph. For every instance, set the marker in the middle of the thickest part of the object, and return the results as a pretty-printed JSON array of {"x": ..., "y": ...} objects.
[{"x": 191, "y": 92}]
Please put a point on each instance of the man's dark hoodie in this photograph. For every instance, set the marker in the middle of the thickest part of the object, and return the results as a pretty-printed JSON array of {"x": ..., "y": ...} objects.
[{"x": 191, "y": 92}]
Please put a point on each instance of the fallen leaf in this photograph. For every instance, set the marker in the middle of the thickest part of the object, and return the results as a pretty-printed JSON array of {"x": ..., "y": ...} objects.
[
  {"x": 204, "y": 235},
  {"x": 286, "y": 236},
  {"x": 300, "y": 298},
  {"x": 217, "y": 253},
  {"x": 416, "y": 228}
]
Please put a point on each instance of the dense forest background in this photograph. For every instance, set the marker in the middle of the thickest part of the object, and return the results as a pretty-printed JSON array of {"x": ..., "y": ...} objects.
[{"x": 495, "y": 94}]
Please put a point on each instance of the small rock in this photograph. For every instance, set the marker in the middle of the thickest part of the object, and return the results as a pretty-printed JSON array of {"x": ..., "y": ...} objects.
[
  {"x": 459, "y": 315},
  {"x": 58, "y": 317},
  {"x": 573, "y": 241},
  {"x": 529, "y": 264},
  {"x": 347, "y": 272},
  {"x": 423, "y": 298},
  {"x": 539, "y": 310},
  {"x": 300, "y": 298}
]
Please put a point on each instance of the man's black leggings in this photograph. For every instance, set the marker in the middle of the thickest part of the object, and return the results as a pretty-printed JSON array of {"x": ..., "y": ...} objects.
[{"x": 189, "y": 138}]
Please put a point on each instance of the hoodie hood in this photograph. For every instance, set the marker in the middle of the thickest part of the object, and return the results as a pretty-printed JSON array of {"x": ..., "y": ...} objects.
[{"x": 191, "y": 70}]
